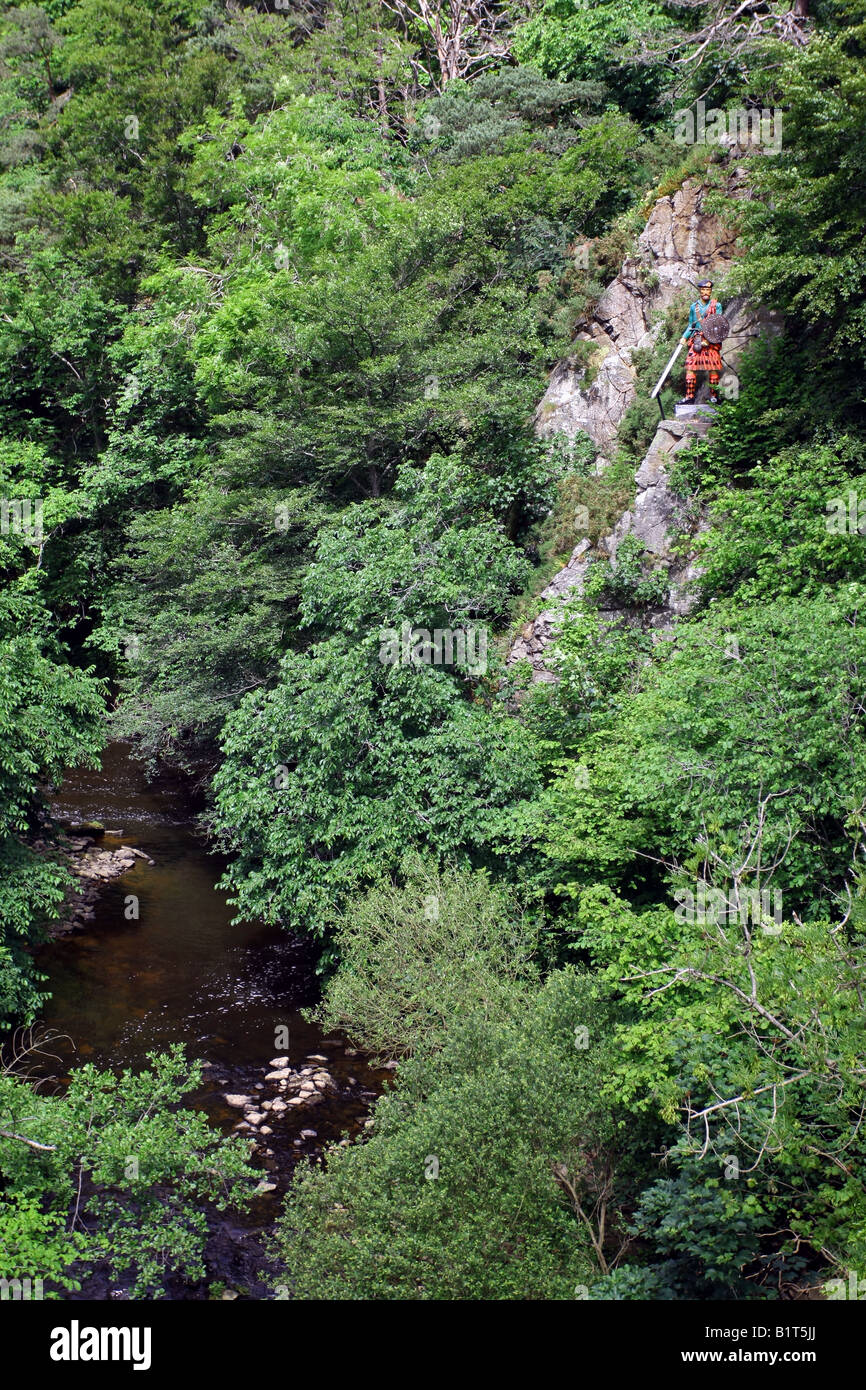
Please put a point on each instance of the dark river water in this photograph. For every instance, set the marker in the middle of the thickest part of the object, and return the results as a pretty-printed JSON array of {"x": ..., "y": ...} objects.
[{"x": 183, "y": 973}]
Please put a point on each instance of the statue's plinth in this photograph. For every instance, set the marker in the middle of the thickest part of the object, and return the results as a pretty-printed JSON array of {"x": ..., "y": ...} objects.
[{"x": 685, "y": 412}]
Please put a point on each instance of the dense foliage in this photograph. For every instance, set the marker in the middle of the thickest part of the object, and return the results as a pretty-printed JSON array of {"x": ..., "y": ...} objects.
[{"x": 110, "y": 1172}]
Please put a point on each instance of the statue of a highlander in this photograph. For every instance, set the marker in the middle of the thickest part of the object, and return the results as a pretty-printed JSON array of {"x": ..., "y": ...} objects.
[
  {"x": 704, "y": 338},
  {"x": 706, "y": 331}
]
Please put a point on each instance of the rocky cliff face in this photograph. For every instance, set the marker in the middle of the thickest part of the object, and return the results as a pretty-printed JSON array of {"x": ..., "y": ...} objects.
[
  {"x": 658, "y": 519},
  {"x": 680, "y": 244}
]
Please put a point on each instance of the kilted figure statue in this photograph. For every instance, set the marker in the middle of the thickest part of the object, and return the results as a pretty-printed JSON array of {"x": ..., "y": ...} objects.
[{"x": 703, "y": 356}]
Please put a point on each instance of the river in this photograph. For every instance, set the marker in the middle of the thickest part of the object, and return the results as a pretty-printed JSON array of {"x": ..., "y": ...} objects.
[{"x": 183, "y": 973}]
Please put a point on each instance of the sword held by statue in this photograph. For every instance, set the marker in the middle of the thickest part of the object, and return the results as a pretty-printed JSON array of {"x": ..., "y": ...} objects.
[{"x": 671, "y": 360}]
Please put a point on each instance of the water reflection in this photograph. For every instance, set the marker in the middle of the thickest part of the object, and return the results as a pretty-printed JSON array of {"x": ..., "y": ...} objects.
[{"x": 182, "y": 972}]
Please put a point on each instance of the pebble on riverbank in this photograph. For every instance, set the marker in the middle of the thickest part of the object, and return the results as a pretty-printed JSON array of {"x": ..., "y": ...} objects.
[
  {"x": 292, "y": 1088},
  {"x": 92, "y": 866}
]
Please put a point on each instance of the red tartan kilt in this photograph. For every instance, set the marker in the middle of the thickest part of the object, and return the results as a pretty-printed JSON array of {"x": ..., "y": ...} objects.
[{"x": 705, "y": 359}]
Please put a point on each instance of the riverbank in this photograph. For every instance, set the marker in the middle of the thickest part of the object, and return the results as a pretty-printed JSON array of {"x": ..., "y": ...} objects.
[
  {"x": 234, "y": 995},
  {"x": 92, "y": 864}
]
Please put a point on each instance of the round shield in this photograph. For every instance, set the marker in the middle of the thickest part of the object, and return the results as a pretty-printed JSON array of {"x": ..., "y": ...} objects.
[{"x": 715, "y": 328}]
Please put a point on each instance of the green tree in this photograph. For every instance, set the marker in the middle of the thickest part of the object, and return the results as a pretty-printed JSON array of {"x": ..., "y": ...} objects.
[
  {"x": 489, "y": 1173},
  {"x": 331, "y": 776},
  {"x": 112, "y": 1170},
  {"x": 805, "y": 227},
  {"x": 415, "y": 956},
  {"x": 49, "y": 721}
]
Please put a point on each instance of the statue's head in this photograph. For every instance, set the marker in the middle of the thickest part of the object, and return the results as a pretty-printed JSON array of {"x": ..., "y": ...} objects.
[{"x": 705, "y": 289}]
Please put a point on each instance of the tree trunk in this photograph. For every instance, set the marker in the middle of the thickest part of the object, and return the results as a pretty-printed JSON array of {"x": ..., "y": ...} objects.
[{"x": 382, "y": 101}]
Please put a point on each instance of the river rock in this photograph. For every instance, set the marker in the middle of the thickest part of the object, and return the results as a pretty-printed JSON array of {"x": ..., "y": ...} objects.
[
  {"x": 308, "y": 1134},
  {"x": 254, "y": 1117},
  {"x": 237, "y": 1101},
  {"x": 266, "y": 1129},
  {"x": 92, "y": 866},
  {"x": 140, "y": 854},
  {"x": 279, "y": 1063},
  {"x": 93, "y": 828},
  {"x": 316, "y": 1057}
]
